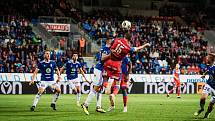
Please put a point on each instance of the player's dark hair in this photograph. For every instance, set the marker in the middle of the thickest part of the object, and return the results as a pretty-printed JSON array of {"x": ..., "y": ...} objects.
[
  {"x": 127, "y": 36},
  {"x": 74, "y": 52},
  {"x": 108, "y": 39},
  {"x": 47, "y": 51}
]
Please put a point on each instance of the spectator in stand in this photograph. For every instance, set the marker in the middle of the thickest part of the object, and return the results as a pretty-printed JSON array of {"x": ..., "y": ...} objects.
[
  {"x": 2, "y": 68},
  {"x": 82, "y": 43},
  {"x": 62, "y": 43}
]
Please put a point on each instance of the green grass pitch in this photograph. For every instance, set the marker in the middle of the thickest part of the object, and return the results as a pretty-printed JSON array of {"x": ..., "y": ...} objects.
[{"x": 141, "y": 107}]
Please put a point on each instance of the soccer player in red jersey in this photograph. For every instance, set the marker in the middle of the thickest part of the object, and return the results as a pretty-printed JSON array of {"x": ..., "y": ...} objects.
[
  {"x": 119, "y": 49},
  {"x": 177, "y": 82}
]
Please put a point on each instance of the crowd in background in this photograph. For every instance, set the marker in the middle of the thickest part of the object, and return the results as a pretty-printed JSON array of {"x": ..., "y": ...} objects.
[
  {"x": 171, "y": 42},
  {"x": 21, "y": 49}
]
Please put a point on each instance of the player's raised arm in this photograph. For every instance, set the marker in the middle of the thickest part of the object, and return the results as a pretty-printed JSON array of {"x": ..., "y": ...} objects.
[
  {"x": 34, "y": 76},
  {"x": 83, "y": 74},
  {"x": 141, "y": 47}
]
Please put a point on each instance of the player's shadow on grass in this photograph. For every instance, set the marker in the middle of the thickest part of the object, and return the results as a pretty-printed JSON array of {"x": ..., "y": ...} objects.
[{"x": 202, "y": 119}]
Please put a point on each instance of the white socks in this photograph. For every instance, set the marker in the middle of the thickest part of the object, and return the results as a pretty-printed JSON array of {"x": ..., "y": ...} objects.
[
  {"x": 78, "y": 97},
  {"x": 36, "y": 99},
  {"x": 98, "y": 99},
  {"x": 90, "y": 97},
  {"x": 55, "y": 97}
]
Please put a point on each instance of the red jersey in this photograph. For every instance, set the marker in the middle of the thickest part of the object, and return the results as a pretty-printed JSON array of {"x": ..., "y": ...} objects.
[
  {"x": 120, "y": 49},
  {"x": 176, "y": 76}
]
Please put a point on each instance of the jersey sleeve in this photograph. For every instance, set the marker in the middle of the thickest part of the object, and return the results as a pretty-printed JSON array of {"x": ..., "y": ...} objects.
[{"x": 79, "y": 65}]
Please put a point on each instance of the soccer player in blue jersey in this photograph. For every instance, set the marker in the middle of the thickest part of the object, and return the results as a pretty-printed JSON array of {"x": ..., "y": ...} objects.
[
  {"x": 209, "y": 87},
  {"x": 47, "y": 68},
  {"x": 126, "y": 70},
  {"x": 72, "y": 67},
  {"x": 98, "y": 80}
]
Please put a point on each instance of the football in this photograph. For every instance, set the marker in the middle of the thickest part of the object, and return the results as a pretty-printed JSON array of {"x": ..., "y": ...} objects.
[{"x": 126, "y": 24}]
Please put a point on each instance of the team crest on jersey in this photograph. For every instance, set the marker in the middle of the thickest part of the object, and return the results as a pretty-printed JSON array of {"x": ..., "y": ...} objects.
[{"x": 48, "y": 70}]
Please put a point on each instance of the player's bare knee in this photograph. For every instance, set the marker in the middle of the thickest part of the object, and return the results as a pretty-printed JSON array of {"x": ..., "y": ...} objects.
[
  {"x": 107, "y": 92},
  {"x": 78, "y": 90},
  {"x": 204, "y": 96},
  {"x": 58, "y": 90},
  {"x": 40, "y": 90},
  {"x": 74, "y": 91}
]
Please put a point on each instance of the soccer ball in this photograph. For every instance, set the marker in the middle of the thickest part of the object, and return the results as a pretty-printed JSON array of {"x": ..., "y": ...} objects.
[{"x": 126, "y": 24}]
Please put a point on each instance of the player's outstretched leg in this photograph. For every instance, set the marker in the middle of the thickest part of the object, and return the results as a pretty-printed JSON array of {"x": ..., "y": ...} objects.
[
  {"x": 90, "y": 96},
  {"x": 37, "y": 98},
  {"x": 209, "y": 110},
  {"x": 202, "y": 104},
  {"x": 125, "y": 99},
  {"x": 55, "y": 98}
]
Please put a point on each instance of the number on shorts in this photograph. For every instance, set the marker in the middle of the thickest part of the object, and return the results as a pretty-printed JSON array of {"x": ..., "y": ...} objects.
[{"x": 206, "y": 88}]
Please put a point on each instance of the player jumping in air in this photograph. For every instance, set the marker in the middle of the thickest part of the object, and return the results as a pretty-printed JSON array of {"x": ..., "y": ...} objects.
[
  {"x": 46, "y": 68},
  {"x": 119, "y": 49},
  {"x": 72, "y": 67},
  {"x": 177, "y": 82},
  {"x": 126, "y": 70},
  {"x": 97, "y": 81},
  {"x": 209, "y": 87}
]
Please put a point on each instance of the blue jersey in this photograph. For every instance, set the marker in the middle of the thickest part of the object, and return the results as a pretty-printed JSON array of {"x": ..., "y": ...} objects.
[
  {"x": 211, "y": 73},
  {"x": 124, "y": 66},
  {"x": 47, "y": 70},
  {"x": 72, "y": 69},
  {"x": 104, "y": 50}
]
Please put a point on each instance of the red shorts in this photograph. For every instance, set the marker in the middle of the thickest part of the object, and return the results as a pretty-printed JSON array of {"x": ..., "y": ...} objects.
[
  {"x": 177, "y": 83},
  {"x": 113, "y": 68},
  {"x": 123, "y": 83}
]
